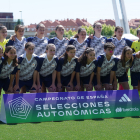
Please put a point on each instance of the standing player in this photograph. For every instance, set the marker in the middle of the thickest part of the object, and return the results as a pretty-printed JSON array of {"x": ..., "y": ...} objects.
[
  {"x": 97, "y": 41},
  {"x": 48, "y": 67},
  {"x": 19, "y": 41},
  {"x": 39, "y": 40},
  {"x": 28, "y": 65},
  {"x": 80, "y": 42},
  {"x": 118, "y": 41},
  {"x": 59, "y": 41},
  {"x": 8, "y": 68},
  {"x": 87, "y": 69},
  {"x": 107, "y": 65},
  {"x": 3, "y": 35},
  {"x": 68, "y": 66}
]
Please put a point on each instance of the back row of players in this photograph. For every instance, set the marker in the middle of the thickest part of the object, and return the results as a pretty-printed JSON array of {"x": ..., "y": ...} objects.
[{"x": 70, "y": 70}]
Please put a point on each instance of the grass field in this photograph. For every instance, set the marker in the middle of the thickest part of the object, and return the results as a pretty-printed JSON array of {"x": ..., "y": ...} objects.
[{"x": 106, "y": 129}]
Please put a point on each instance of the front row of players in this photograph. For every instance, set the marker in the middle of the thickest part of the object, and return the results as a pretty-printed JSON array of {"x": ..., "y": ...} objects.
[{"x": 67, "y": 72}]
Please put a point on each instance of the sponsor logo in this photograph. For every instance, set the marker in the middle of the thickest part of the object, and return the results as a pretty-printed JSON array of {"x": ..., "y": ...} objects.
[
  {"x": 84, "y": 47},
  {"x": 124, "y": 98},
  {"x": 119, "y": 109},
  {"x": 19, "y": 108},
  {"x": 65, "y": 44},
  {"x": 33, "y": 64},
  {"x": 53, "y": 65}
]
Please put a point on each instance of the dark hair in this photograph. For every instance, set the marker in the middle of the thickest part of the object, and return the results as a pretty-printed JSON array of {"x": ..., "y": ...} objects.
[
  {"x": 65, "y": 55},
  {"x": 109, "y": 45},
  {"x": 28, "y": 44},
  {"x": 96, "y": 23},
  {"x": 125, "y": 49},
  {"x": 58, "y": 26},
  {"x": 83, "y": 58},
  {"x": 118, "y": 27},
  {"x": 79, "y": 30},
  {"x": 38, "y": 26},
  {"x": 49, "y": 45},
  {"x": 138, "y": 31},
  {"x": 7, "y": 49},
  {"x": 18, "y": 26},
  {"x": 2, "y": 27},
  {"x": 1, "y": 48}
]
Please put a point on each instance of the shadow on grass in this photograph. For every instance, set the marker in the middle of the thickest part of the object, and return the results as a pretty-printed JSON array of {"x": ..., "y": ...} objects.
[
  {"x": 98, "y": 119},
  {"x": 79, "y": 120},
  {"x": 118, "y": 117},
  {"x": 137, "y": 117},
  {"x": 8, "y": 123}
]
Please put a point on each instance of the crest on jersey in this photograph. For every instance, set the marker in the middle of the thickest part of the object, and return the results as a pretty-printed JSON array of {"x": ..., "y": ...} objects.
[
  {"x": 91, "y": 68},
  {"x": 103, "y": 41},
  {"x": 72, "y": 66},
  {"x": 53, "y": 65},
  {"x": 45, "y": 41},
  {"x": 12, "y": 68},
  {"x": 111, "y": 64},
  {"x": 65, "y": 44},
  {"x": 84, "y": 47},
  {"x": 33, "y": 64}
]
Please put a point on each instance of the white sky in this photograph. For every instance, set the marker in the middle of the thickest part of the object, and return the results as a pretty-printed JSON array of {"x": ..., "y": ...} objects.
[{"x": 40, "y": 10}]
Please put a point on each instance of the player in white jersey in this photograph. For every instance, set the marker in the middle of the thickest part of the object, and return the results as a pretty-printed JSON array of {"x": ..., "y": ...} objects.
[
  {"x": 59, "y": 41},
  {"x": 87, "y": 69},
  {"x": 97, "y": 41},
  {"x": 19, "y": 40},
  {"x": 39, "y": 40},
  {"x": 118, "y": 41},
  {"x": 80, "y": 42},
  {"x": 8, "y": 68},
  {"x": 67, "y": 67},
  {"x": 28, "y": 68},
  {"x": 48, "y": 68}
]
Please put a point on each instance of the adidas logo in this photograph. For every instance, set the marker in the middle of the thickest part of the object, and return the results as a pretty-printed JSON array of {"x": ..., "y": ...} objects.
[{"x": 124, "y": 98}]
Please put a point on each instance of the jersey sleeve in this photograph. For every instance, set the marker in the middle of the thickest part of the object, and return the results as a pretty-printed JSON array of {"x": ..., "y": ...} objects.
[
  {"x": 15, "y": 70},
  {"x": 115, "y": 66},
  {"x": 60, "y": 64},
  {"x": 71, "y": 42},
  {"x": 57, "y": 68},
  {"x": 10, "y": 43},
  {"x": 129, "y": 42},
  {"x": 100, "y": 60},
  {"x": 95, "y": 69},
  {"x": 77, "y": 68},
  {"x": 38, "y": 65},
  {"x": 51, "y": 41},
  {"x": 109, "y": 40},
  {"x": 29, "y": 39}
]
